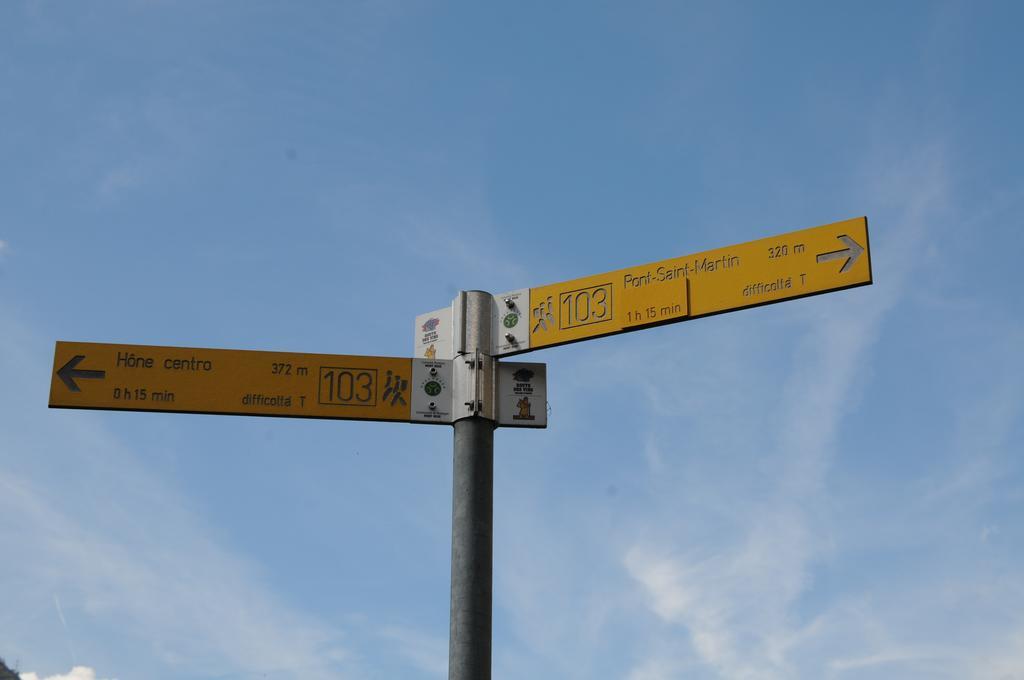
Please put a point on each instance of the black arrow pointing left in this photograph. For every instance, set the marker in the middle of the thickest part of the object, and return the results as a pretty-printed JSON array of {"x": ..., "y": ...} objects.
[{"x": 68, "y": 373}]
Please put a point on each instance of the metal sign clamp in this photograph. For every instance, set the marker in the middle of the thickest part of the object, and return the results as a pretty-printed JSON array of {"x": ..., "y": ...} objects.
[{"x": 475, "y": 384}]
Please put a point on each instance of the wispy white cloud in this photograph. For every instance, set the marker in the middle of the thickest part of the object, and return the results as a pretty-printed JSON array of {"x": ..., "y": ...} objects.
[
  {"x": 76, "y": 673},
  {"x": 126, "y": 553},
  {"x": 983, "y": 426},
  {"x": 710, "y": 598},
  {"x": 736, "y": 596},
  {"x": 222, "y": 616},
  {"x": 725, "y": 590},
  {"x": 1003, "y": 661},
  {"x": 654, "y": 669},
  {"x": 893, "y": 658}
]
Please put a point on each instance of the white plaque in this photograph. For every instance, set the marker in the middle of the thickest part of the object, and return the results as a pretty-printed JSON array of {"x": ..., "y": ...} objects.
[
  {"x": 510, "y": 325},
  {"x": 522, "y": 393},
  {"x": 431, "y": 391},
  {"x": 433, "y": 335}
]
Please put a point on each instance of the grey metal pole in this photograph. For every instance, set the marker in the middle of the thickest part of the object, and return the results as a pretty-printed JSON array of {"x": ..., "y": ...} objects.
[{"x": 469, "y": 642}]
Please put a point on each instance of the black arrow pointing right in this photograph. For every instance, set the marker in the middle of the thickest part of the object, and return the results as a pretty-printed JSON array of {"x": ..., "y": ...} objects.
[{"x": 68, "y": 373}]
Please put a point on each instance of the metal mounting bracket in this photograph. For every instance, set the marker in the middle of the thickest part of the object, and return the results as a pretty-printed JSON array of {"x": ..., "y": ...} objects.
[{"x": 474, "y": 378}]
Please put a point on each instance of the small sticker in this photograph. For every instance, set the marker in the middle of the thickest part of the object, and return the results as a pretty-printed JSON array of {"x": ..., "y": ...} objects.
[
  {"x": 522, "y": 395},
  {"x": 433, "y": 337},
  {"x": 524, "y": 407},
  {"x": 524, "y": 375}
]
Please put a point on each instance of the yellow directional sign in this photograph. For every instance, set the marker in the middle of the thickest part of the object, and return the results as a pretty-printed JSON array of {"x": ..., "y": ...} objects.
[
  {"x": 800, "y": 263},
  {"x": 231, "y": 382}
]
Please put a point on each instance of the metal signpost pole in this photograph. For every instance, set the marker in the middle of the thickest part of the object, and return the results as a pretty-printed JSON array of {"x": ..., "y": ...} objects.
[{"x": 469, "y": 642}]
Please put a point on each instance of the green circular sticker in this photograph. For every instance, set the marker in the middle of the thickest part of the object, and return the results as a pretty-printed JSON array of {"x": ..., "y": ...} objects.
[
  {"x": 433, "y": 388},
  {"x": 510, "y": 320}
]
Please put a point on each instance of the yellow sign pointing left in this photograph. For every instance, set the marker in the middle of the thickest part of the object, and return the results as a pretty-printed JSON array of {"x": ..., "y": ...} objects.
[{"x": 232, "y": 382}]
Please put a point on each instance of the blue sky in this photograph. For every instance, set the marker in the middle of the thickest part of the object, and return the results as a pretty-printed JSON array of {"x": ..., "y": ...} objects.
[{"x": 826, "y": 488}]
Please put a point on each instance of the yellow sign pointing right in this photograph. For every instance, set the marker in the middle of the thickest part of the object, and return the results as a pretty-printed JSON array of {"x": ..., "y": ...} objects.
[{"x": 800, "y": 263}]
